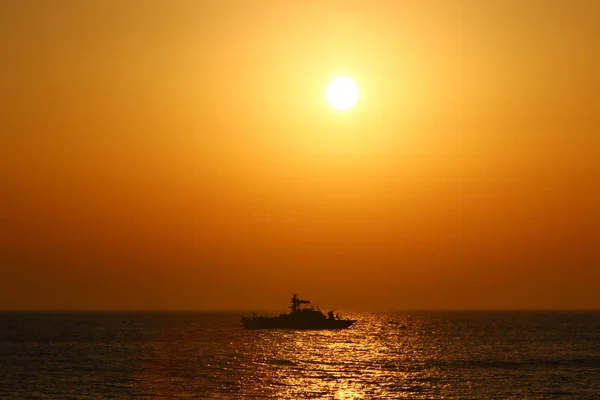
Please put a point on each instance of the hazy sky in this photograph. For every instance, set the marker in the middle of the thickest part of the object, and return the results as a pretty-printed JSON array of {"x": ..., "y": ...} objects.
[{"x": 181, "y": 154}]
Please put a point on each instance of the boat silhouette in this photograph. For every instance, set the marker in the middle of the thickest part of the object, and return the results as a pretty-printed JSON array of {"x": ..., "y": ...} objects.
[{"x": 302, "y": 316}]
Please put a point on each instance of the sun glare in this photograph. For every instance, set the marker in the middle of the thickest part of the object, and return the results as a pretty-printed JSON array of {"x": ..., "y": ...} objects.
[{"x": 342, "y": 93}]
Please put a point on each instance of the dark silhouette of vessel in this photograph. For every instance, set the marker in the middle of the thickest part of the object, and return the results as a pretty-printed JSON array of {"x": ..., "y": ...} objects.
[{"x": 302, "y": 316}]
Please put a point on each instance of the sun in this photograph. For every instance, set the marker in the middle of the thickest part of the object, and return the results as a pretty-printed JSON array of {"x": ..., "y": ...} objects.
[{"x": 342, "y": 93}]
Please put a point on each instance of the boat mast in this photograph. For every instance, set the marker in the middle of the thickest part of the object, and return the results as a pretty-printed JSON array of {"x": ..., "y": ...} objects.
[{"x": 296, "y": 303}]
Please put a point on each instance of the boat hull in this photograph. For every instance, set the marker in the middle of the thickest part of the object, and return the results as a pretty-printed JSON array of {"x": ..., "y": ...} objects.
[
  {"x": 283, "y": 323},
  {"x": 302, "y": 316}
]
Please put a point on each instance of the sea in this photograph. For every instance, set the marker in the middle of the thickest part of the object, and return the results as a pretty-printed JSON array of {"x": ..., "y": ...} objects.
[{"x": 208, "y": 355}]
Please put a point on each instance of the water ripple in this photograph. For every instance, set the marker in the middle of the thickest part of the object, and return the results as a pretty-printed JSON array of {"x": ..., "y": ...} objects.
[{"x": 388, "y": 355}]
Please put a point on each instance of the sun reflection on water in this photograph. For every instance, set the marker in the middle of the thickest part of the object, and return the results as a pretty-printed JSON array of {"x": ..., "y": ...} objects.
[
  {"x": 381, "y": 356},
  {"x": 424, "y": 355},
  {"x": 348, "y": 364}
]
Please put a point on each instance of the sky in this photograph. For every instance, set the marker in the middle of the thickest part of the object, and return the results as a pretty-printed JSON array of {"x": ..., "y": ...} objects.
[{"x": 182, "y": 155}]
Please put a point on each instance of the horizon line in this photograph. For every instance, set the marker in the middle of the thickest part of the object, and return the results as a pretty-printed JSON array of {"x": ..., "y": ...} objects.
[{"x": 271, "y": 310}]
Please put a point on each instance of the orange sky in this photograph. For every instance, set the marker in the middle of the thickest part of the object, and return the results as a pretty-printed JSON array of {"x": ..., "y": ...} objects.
[{"x": 181, "y": 155}]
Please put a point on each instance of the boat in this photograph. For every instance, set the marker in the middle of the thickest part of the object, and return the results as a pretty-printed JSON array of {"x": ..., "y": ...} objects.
[{"x": 302, "y": 316}]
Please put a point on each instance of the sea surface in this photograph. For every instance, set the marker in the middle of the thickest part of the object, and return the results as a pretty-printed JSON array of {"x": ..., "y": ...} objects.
[{"x": 414, "y": 355}]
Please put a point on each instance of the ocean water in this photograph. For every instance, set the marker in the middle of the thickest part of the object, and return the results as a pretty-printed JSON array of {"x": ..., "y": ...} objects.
[{"x": 413, "y": 355}]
